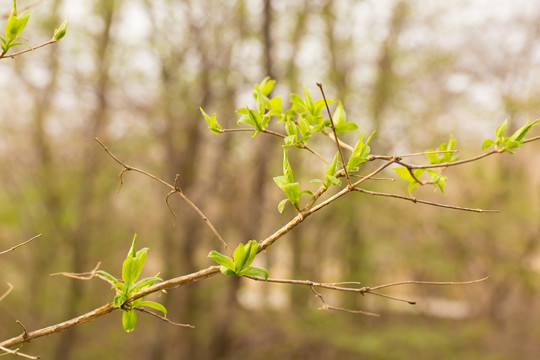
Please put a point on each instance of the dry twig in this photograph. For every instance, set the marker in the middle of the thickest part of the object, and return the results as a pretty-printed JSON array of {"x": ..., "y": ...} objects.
[
  {"x": 175, "y": 189},
  {"x": 18, "y": 245}
]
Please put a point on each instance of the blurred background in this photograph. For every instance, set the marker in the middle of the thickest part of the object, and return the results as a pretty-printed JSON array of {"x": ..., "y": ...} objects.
[{"x": 134, "y": 74}]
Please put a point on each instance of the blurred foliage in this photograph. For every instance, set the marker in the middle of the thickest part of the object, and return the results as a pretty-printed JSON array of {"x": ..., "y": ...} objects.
[{"x": 135, "y": 73}]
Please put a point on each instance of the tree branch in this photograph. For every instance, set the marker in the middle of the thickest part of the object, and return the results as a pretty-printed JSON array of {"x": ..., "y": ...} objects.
[
  {"x": 174, "y": 189},
  {"x": 21, "y": 244}
]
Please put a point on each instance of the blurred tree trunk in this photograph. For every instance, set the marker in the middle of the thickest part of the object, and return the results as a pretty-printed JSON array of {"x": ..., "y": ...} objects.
[
  {"x": 87, "y": 198},
  {"x": 385, "y": 84},
  {"x": 222, "y": 337}
]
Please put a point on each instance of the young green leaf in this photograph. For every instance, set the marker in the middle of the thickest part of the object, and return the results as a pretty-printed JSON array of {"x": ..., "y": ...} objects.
[
  {"x": 240, "y": 257},
  {"x": 339, "y": 115},
  {"x": 267, "y": 85},
  {"x": 330, "y": 172},
  {"x": 406, "y": 175},
  {"x": 281, "y": 205},
  {"x": 16, "y": 24},
  {"x": 360, "y": 153},
  {"x": 255, "y": 271},
  {"x": 61, "y": 31},
  {"x": 109, "y": 276},
  {"x": 287, "y": 171},
  {"x": 212, "y": 122},
  {"x": 144, "y": 283},
  {"x": 276, "y": 108},
  {"x": 222, "y": 260},
  {"x": 252, "y": 248},
  {"x": 260, "y": 103},
  {"x": 129, "y": 320},
  {"x": 487, "y": 143},
  {"x": 119, "y": 299},
  {"x": 308, "y": 101},
  {"x": 521, "y": 132},
  {"x": 134, "y": 263},
  {"x": 501, "y": 129},
  {"x": 292, "y": 191},
  {"x": 155, "y": 305}
]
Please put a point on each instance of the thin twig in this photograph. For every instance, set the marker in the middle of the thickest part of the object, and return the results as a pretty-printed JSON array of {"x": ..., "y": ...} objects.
[
  {"x": 5, "y": 56},
  {"x": 326, "y": 306},
  {"x": 175, "y": 189},
  {"x": 371, "y": 178},
  {"x": 270, "y": 132},
  {"x": 335, "y": 135},
  {"x": 16, "y": 352},
  {"x": 415, "y": 200},
  {"x": 21, "y": 244},
  {"x": 10, "y": 288},
  {"x": 163, "y": 318},
  {"x": 105, "y": 309},
  {"x": 414, "y": 282},
  {"x": 388, "y": 157},
  {"x": 532, "y": 139},
  {"x": 83, "y": 276},
  {"x": 452, "y": 163}
]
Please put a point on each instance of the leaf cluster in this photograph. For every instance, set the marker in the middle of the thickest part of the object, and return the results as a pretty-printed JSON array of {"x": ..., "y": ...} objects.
[
  {"x": 16, "y": 25},
  {"x": 504, "y": 144},
  {"x": 131, "y": 269},
  {"x": 14, "y": 28},
  {"x": 240, "y": 265},
  {"x": 443, "y": 155},
  {"x": 300, "y": 121}
]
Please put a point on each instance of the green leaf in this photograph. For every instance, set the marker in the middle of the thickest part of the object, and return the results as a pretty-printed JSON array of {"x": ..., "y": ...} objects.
[
  {"x": 298, "y": 103},
  {"x": 281, "y": 205},
  {"x": 265, "y": 86},
  {"x": 108, "y": 276},
  {"x": 360, "y": 153},
  {"x": 16, "y": 24},
  {"x": 134, "y": 263},
  {"x": 521, "y": 132},
  {"x": 339, "y": 115},
  {"x": 404, "y": 173},
  {"x": 292, "y": 191},
  {"x": 411, "y": 187},
  {"x": 223, "y": 260},
  {"x": 487, "y": 143},
  {"x": 308, "y": 101},
  {"x": 255, "y": 271},
  {"x": 212, "y": 122},
  {"x": 276, "y": 107},
  {"x": 347, "y": 126},
  {"x": 290, "y": 128},
  {"x": 334, "y": 180},
  {"x": 144, "y": 283},
  {"x": 119, "y": 299},
  {"x": 289, "y": 140},
  {"x": 437, "y": 179},
  {"x": 501, "y": 129},
  {"x": 155, "y": 305},
  {"x": 252, "y": 248},
  {"x": 280, "y": 181},
  {"x": 129, "y": 320},
  {"x": 303, "y": 125},
  {"x": 226, "y": 271},
  {"x": 61, "y": 31},
  {"x": 240, "y": 257},
  {"x": 255, "y": 118},
  {"x": 260, "y": 103},
  {"x": 287, "y": 171}
]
